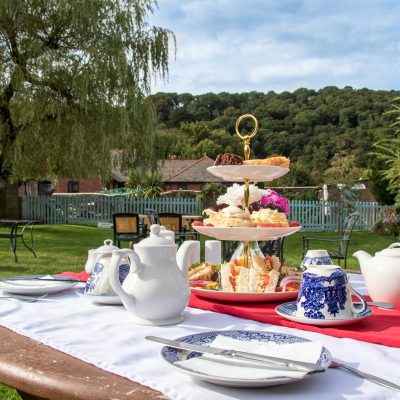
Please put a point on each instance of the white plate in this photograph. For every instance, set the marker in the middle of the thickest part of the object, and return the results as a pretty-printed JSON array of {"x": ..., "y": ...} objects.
[
  {"x": 246, "y": 233},
  {"x": 255, "y": 173},
  {"x": 34, "y": 285},
  {"x": 109, "y": 300},
  {"x": 244, "y": 297},
  {"x": 288, "y": 311},
  {"x": 172, "y": 356}
]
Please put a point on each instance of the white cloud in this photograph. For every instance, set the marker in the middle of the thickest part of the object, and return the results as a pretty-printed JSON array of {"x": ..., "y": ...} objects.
[{"x": 246, "y": 45}]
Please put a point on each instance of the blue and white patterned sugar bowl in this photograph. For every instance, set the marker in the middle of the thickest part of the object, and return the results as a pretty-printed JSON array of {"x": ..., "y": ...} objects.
[
  {"x": 98, "y": 266},
  {"x": 315, "y": 257}
]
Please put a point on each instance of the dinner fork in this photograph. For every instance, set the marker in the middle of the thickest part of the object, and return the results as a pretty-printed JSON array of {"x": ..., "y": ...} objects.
[
  {"x": 28, "y": 299},
  {"x": 372, "y": 378}
]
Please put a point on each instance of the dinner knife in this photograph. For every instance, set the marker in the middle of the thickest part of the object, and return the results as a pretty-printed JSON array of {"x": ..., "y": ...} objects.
[
  {"x": 28, "y": 278},
  {"x": 275, "y": 361}
]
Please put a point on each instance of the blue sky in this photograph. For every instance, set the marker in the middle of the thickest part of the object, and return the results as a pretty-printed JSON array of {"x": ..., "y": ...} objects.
[{"x": 262, "y": 45}]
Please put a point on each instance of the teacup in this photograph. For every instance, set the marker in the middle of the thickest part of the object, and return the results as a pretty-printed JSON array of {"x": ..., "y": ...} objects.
[
  {"x": 316, "y": 257},
  {"x": 325, "y": 293}
]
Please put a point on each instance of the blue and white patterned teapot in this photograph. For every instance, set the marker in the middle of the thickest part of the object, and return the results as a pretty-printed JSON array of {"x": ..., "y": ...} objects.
[{"x": 98, "y": 265}]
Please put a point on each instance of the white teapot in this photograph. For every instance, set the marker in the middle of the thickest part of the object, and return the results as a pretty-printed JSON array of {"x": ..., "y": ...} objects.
[
  {"x": 156, "y": 290},
  {"x": 97, "y": 265},
  {"x": 382, "y": 274}
]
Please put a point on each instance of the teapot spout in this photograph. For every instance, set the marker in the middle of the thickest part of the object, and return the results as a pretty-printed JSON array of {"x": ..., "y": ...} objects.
[
  {"x": 188, "y": 253},
  {"x": 363, "y": 257}
]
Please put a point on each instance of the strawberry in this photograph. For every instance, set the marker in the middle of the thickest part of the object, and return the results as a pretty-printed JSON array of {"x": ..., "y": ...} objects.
[
  {"x": 293, "y": 223},
  {"x": 197, "y": 223},
  {"x": 209, "y": 225}
]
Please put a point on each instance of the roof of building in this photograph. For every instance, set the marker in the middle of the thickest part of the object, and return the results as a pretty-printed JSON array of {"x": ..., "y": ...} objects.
[{"x": 187, "y": 170}]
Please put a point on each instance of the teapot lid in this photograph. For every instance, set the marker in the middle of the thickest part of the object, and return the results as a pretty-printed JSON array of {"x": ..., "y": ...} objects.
[
  {"x": 392, "y": 251},
  {"x": 155, "y": 238},
  {"x": 107, "y": 248}
]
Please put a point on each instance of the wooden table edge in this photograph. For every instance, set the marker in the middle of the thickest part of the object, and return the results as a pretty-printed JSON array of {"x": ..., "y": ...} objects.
[{"x": 41, "y": 372}]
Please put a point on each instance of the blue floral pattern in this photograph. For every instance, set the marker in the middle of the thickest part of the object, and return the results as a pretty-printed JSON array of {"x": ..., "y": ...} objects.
[
  {"x": 98, "y": 269},
  {"x": 324, "y": 260},
  {"x": 316, "y": 294}
]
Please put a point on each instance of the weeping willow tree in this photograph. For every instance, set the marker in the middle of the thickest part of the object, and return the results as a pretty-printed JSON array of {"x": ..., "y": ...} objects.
[{"x": 74, "y": 76}]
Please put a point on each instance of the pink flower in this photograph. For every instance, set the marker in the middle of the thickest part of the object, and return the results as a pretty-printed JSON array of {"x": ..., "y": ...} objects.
[{"x": 274, "y": 198}]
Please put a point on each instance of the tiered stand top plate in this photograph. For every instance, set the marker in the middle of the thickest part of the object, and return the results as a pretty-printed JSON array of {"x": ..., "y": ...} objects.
[{"x": 255, "y": 173}]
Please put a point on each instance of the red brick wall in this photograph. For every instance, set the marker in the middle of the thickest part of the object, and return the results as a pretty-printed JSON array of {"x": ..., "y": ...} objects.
[{"x": 85, "y": 186}]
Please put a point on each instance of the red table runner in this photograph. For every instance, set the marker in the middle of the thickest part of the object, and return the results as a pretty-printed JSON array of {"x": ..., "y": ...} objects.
[
  {"x": 82, "y": 276},
  {"x": 383, "y": 327}
]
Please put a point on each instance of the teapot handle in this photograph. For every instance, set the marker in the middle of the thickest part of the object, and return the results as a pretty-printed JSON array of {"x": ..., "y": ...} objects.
[
  {"x": 394, "y": 245},
  {"x": 135, "y": 267}
]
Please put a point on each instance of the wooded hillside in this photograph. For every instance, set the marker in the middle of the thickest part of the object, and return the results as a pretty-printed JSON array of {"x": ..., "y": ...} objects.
[{"x": 315, "y": 129}]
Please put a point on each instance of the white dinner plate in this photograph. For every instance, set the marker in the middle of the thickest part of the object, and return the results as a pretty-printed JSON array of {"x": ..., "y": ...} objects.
[
  {"x": 172, "y": 356},
  {"x": 255, "y": 173},
  {"x": 288, "y": 311},
  {"x": 36, "y": 285},
  {"x": 244, "y": 297},
  {"x": 109, "y": 300},
  {"x": 245, "y": 233}
]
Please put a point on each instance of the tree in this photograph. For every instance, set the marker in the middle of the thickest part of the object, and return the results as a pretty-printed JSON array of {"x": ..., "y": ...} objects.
[
  {"x": 74, "y": 76},
  {"x": 388, "y": 151}
]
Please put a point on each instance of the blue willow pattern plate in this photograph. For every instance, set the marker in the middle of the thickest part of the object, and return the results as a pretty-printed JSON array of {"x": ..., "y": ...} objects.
[
  {"x": 288, "y": 311},
  {"x": 171, "y": 356}
]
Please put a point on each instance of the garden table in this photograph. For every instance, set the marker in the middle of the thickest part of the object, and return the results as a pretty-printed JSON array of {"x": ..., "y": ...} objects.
[{"x": 70, "y": 349}]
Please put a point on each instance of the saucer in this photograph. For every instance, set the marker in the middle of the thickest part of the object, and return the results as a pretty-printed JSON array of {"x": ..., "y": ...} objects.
[
  {"x": 109, "y": 300},
  {"x": 288, "y": 311}
]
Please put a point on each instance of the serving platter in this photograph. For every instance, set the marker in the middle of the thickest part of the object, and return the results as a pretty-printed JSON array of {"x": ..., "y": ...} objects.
[
  {"x": 175, "y": 357},
  {"x": 246, "y": 233},
  {"x": 234, "y": 297},
  {"x": 288, "y": 311},
  {"x": 255, "y": 173}
]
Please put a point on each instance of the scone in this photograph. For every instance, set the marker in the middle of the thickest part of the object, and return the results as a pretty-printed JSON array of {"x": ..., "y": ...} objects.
[
  {"x": 228, "y": 159},
  {"x": 279, "y": 161}
]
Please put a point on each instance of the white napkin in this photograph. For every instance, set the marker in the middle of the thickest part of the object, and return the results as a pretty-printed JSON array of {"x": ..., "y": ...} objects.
[{"x": 232, "y": 368}]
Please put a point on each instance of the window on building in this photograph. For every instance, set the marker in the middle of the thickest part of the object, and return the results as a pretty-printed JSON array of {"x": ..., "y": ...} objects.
[
  {"x": 183, "y": 186},
  {"x": 73, "y": 187}
]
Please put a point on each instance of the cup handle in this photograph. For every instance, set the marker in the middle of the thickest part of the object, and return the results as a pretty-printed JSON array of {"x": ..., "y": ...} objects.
[{"x": 364, "y": 303}]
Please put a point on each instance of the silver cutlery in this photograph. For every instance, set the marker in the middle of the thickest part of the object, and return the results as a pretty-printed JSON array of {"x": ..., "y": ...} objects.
[
  {"x": 17, "y": 280},
  {"x": 29, "y": 299},
  {"x": 380, "y": 304},
  {"x": 271, "y": 361},
  {"x": 366, "y": 375}
]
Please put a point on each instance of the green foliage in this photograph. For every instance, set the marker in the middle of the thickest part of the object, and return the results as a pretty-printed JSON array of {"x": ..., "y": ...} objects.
[
  {"x": 144, "y": 183},
  {"x": 310, "y": 127},
  {"x": 74, "y": 76},
  {"x": 342, "y": 169},
  {"x": 390, "y": 222},
  {"x": 388, "y": 151}
]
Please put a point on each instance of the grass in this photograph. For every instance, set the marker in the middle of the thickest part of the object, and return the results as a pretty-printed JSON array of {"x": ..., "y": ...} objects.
[{"x": 65, "y": 248}]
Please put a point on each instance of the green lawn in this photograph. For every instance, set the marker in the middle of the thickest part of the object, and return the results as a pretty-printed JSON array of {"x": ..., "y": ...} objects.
[{"x": 64, "y": 248}]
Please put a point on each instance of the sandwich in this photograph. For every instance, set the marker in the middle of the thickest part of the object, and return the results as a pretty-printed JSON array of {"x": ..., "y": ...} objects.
[{"x": 260, "y": 276}]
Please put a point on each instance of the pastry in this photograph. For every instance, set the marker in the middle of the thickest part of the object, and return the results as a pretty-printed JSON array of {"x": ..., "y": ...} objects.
[
  {"x": 203, "y": 272},
  {"x": 230, "y": 216},
  {"x": 269, "y": 217},
  {"x": 279, "y": 161},
  {"x": 228, "y": 159}
]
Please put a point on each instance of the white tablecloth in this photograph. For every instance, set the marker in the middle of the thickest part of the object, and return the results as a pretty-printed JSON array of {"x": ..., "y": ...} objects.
[{"x": 105, "y": 337}]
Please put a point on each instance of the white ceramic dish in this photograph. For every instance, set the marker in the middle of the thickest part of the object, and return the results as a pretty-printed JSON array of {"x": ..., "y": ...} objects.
[
  {"x": 34, "y": 285},
  {"x": 255, "y": 173},
  {"x": 246, "y": 233},
  {"x": 244, "y": 297},
  {"x": 288, "y": 311},
  {"x": 106, "y": 300},
  {"x": 172, "y": 356}
]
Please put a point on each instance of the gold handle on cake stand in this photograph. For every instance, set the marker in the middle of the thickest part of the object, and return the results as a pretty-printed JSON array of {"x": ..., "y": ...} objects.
[{"x": 246, "y": 141}]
